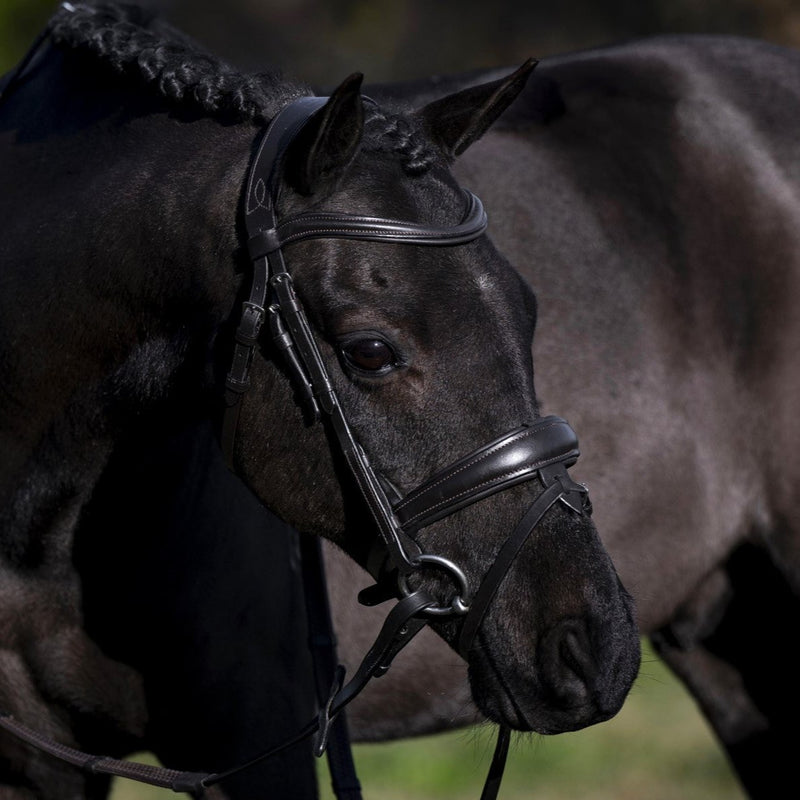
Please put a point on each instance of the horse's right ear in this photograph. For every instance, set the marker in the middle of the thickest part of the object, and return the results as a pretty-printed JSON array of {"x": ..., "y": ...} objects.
[
  {"x": 456, "y": 121},
  {"x": 329, "y": 140}
]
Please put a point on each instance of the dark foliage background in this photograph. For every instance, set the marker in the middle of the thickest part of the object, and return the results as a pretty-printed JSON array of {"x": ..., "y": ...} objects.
[{"x": 322, "y": 42}]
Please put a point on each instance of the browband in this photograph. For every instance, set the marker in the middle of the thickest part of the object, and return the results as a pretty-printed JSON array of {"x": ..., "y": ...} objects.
[
  {"x": 267, "y": 236},
  {"x": 330, "y": 225}
]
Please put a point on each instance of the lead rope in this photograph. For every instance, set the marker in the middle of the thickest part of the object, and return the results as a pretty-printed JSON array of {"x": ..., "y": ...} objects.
[
  {"x": 178, "y": 781},
  {"x": 492, "y": 785}
]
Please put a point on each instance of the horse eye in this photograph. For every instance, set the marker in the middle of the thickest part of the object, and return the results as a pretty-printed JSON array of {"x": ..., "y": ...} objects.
[{"x": 370, "y": 355}]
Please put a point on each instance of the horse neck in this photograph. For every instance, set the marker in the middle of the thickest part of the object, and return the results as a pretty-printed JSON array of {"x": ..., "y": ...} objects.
[{"x": 120, "y": 262}]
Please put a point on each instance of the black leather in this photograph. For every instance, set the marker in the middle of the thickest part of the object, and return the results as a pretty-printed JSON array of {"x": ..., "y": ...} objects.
[
  {"x": 508, "y": 460},
  {"x": 330, "y": 225}
]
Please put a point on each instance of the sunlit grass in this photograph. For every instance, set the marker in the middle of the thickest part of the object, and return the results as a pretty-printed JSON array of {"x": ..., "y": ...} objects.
[{"x": 658, "y": 747}]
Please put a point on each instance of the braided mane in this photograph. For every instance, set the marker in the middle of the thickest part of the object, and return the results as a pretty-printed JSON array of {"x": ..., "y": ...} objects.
[{"x": 136, "y": 43}]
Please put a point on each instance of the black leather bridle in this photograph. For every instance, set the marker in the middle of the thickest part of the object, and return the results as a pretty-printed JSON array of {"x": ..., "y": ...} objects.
[{"x": 541, "y": 449}]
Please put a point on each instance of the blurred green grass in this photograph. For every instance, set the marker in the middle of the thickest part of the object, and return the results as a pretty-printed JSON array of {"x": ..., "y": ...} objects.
[
  {"x": 658, "y": 747},
  {"x": 20, "y": 21}
]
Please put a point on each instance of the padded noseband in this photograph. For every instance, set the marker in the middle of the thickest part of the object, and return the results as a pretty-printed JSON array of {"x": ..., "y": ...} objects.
[
  {"x": 505, "y": 462},
  {"x": 542, "y": 449}
]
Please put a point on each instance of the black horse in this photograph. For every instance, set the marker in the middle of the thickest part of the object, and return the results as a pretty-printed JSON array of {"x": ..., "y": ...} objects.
[{"x": 134, "y": 274}]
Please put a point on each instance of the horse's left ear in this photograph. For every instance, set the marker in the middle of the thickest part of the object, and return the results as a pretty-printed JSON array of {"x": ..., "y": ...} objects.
[
  {"x": 456, "y": 121},
  {"x": 329, "y": 140}
]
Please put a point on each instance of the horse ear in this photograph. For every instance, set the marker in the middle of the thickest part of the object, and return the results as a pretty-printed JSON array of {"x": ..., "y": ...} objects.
[
  {"x": 328, "y": 141},
  {"x": 456, "y": 121}
]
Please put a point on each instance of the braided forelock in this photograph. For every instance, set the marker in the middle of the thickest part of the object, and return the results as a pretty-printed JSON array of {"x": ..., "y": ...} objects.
[
  {"x": 400, "y": 135},
  {"x": 132, "y": 42}
]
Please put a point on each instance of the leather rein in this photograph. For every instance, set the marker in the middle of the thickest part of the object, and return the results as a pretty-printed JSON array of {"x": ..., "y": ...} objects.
[{"x": 541, "y": 449}]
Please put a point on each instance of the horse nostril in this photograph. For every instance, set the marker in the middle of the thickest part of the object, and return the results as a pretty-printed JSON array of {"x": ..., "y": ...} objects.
[
  {"x": 567, "y": 664},
  {"x": 571, "y": 653}
]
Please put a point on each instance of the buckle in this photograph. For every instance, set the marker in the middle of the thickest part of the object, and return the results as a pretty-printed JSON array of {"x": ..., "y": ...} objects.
[{"x": 250, "y": 324}]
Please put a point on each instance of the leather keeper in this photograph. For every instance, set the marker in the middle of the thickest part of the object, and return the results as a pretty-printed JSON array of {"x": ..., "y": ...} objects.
[
  {"x": 239, "y": 386},
  {"x": 263, "y": 243}
]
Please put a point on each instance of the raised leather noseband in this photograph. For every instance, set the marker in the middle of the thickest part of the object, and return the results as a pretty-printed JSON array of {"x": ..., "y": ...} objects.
[
  {"x": 505, "y": 462},
  {"x": 544, "y": 449}
]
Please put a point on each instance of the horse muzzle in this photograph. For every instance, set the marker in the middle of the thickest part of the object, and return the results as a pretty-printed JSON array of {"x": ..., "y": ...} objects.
[{"x": 583, "y": 662}]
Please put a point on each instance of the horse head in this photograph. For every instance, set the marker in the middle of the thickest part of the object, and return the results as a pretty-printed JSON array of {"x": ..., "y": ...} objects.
[{"x": 417, "y": 345}]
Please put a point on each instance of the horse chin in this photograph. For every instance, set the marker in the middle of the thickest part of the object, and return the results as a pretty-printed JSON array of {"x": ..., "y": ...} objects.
[{"x": 534, "y": 710}]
